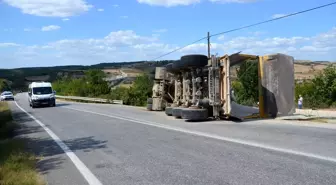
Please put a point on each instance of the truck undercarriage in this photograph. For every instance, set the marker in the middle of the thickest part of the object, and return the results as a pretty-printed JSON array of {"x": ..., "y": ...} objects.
[{"x": 198, "y": 88}]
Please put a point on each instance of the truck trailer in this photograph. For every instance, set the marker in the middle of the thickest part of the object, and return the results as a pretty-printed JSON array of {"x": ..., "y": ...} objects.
[{"x": 198, "y": 88}]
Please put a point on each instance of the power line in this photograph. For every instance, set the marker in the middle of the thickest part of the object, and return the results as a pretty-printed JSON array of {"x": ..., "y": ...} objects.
[
  {"x": 271, "y": 20},
  {"x": 248, "y": 26}
]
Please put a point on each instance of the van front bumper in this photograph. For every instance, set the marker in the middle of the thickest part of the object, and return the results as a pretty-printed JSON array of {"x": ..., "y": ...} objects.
[
  {"x": 49, "y": 101},
  {"x": 7, "y": 98}
]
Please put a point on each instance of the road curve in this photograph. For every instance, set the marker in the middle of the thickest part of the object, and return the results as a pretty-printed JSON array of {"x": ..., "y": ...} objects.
[{"x": 114, "y": 144}]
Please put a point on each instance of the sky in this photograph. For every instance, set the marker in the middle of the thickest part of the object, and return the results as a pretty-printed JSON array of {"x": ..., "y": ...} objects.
[{"x": 71, "y": 32}]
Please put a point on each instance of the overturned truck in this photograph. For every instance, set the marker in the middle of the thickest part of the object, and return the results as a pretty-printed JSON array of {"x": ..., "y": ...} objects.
[{"x": 198, "y": 88}]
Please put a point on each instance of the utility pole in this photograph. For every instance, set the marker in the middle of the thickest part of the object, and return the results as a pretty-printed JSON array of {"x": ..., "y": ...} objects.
[{"x": 209, "y": 45}]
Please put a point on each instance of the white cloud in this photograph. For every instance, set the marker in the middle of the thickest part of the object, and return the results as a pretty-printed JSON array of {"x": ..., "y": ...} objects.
[
  {"x": 115, "y": 6},
  {"x": 221, "y": 37},
  {"x": 124, "y": 17},
  {"x": 319, "y": 47},
  {"x": 50, "y": 28},
  {"x": 9, "y": 44},
  {"x": 100, "y": 10},
  {"x": 171, "y": 3},
  {"x": 123, "y": 45},
  {"x": 252, "y": 45},
  {"x": 278, "y": 16},
  {"x": 126, "y": 45},
  {"x": 50, "y": 8},
  {"x": 65, "y": 19},
  {"x": 326, "y": 39}
]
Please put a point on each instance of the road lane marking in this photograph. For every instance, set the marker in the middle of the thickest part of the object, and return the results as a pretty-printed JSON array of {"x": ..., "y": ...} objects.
[
  {"x": 87, "y": 174},
  {"x": 214, "y": 136}
]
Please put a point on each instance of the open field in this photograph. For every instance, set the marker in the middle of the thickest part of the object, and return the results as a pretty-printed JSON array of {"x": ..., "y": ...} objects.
[
  {"x": 132, "y": 72},
  {"x": 112, "y": 72}
]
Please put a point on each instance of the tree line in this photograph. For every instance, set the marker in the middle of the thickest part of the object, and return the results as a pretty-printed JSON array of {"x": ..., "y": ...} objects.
[{"x": 94, "y": 85}]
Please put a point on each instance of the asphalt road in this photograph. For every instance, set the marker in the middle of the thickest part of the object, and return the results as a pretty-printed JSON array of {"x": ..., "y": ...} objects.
[{"x": 114, "y": 144}]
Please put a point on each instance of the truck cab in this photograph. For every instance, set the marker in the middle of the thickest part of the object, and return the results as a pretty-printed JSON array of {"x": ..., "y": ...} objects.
[{"x": 41, "y": 94}]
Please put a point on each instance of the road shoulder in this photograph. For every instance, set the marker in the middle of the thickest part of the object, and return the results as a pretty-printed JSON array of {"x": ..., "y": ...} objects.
[{"x": 53, "y": 163}]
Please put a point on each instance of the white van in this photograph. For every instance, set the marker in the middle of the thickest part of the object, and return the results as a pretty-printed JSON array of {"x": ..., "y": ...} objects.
[{"x": 41, "y": 93}]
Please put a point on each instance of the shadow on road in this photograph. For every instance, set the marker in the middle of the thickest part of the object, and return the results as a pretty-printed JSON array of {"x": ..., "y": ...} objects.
[
  {"x": 21, "y": 117},
  {"x": 57, "y": 105},
  {"x": 50, "y": 153},
  {"x": 62, "y": 104},
  {"x": 45, "y": 148}
]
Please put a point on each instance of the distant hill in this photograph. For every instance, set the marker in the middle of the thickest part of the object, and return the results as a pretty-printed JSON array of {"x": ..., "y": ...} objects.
[{"x": 20, "y": 77}]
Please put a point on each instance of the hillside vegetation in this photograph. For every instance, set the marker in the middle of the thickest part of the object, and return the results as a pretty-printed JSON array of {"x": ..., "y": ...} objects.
[
  {"x": 93, "y": 85},
  {"x": 315, "y": 81},
  {"x": 18, "y": 79}
]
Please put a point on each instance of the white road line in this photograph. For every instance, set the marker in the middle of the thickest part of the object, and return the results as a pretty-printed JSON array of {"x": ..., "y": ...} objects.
[
  {"x": 87, "y": 174},
  {"x": 213, "y": 136}
]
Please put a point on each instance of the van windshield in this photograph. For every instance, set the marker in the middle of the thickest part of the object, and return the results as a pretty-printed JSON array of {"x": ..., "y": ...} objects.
[{"x": 42, "y": 90}]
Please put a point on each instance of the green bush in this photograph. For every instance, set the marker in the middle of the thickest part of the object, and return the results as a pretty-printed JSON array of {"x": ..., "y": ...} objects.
[
  {"x": 92, "y": 85},
  {"x": 137, "y": 94},
  {"x": 320, "y": 92},
  {"x": 246, "y": 87},
  {"x": 4, "y": 85}
]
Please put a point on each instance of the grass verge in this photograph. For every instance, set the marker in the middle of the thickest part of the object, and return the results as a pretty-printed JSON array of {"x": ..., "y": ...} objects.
[{"x": 17, "y": 167}]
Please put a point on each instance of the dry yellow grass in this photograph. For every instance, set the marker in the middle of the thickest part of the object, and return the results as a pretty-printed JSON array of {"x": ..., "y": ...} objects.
[
  {"x": 112, "y": 72},
  {"x": 17, "y": 167},
  {"x": 130, "y": 70},
  {"x": 307, "y": 71},
  {"x": 302, "y": 68},
  {"x": 319, "y": 67}
]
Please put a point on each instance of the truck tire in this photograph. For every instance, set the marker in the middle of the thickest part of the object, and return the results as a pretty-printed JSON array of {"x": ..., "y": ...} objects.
[
  {"x": 149, "y": 100},
  {"x": 169, "y": 111},
  {"x": 170, "y": 68},
  {"x": 177, "y": 112},
  {"x": 195, "y": 114},
  {"x": 149, "y": 107},
  {"x": 190, "y": 61}
]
